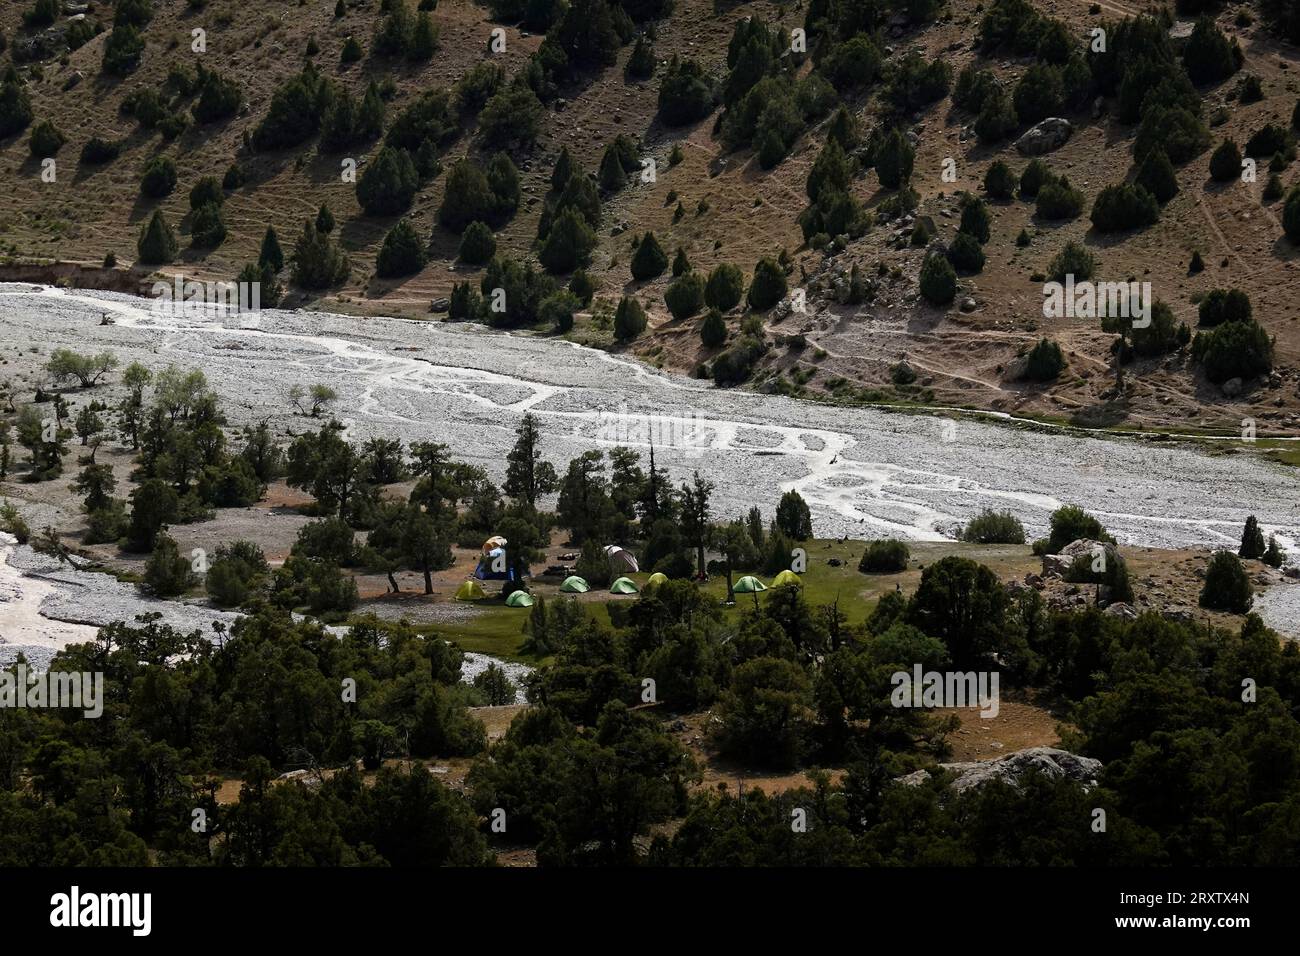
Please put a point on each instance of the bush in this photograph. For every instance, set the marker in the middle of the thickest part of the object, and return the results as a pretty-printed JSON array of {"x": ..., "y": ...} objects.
[
  {"x": 994, "y": 527},
  {"x": 685, "y": 297},
  {"x": 478, "y": 244},
  {"x": 768, "y": 286},
  {"x": 853, "y": 64},
  {"x": 511, "y": 117},
  {"x": 649, "y": 260},
  {"x": 1163, "y": 335},
  {"x": 737, "y": 363},
  {"x": 317, "y": 262},
  {"x": 1044, "y": 362},
  {"x": 1059, "y": 200},
  {"x": 973, "y": 88},
  {"x": 569, "y": 243},
  {"x": 997, "y": 119},
  {"x": 1156, "y": 176},
  {"x": 629, "y": 319},
  {"x": 1207, "y": 55},
  {"x": 999, "y": 181},
  {"x": 725, "y": 287},
  {"x": 1033, "y": 178},
  {"x": 641, "y": 64},
  {"x": 1233, "y": 350},
  {"x": 557, "y": 310},
  {"x": 1227, "y": 588},
  {"x": 468, "y": 197},
  {"x": 1252, "y": 540},
  {"x": 583, "y": 287},
  {"x": 237, "y": 571},
  {"x": 219, "y": 98},
  {"x": 884, "y": 557},
  {"x": 1071, "y": 523},
  {"x": 685, "y": 94},
  {"x": 403, "y": 253},
  {"x": 122, "y": 50},
  {"x": 1124, "y": 206},
  {"x": 965, "y": 253},
  {"x": 1039, "y": 94},
  {"x": 46, "y": 140},
  {"x": 207, "y": 227},
  {"x": 388, "y": 184},
  {"x": 713, "y": 330},
  {"x": 1225, "y": 162},
  {"x": 166, "y": 573},
  {"x": 894, "y": 160},
  {"x": 1223, "y": 305},
  {"x": 15, "y": 107},
  {"x": 159, "y": 177},
  {"x": 1291, "y": 215},
  {"x": 938, "y": 280},
  {"x": 157, "y": 242},
  {"x": 1073, "y": 260},
  {"x": 1268, "y": 141}
]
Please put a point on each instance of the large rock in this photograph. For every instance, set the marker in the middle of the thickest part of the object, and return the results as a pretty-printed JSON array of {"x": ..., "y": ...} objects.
[
  {"x": 1044, "y": 137},
  {"x": 1059, "y": 564},
  {"x": 1010, "y": 769}
]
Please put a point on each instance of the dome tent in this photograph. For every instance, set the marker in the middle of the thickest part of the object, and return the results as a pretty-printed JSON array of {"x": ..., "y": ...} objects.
[
  {"x": 471, "y": 590},
  {"x": 656, "y": 579},
  {"x": 519, "y": 599},
  {"x": 494, "y": 542},
  {"x": 787, "y": 578},
  {"x": 621, "y": 560},
  {"x": 749, "y": 585},
  {"x": 575, "y": 585},
  {"x": 623, "y": 586}
]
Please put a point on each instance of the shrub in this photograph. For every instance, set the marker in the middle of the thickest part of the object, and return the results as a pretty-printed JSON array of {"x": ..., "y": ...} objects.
[
  {"x": 685, "y": 94},
  {"x": 641, "y": 64},
  {"x": 997, "y": 119},
  {"x": 853, "y": 64},
  {"x": 478, "y": 244},
  {"x": 159, "y": 177},
  {"x": 1252, "y": 540},
  {"x": 938, "y": 280},
  {"x": 468, "y": 197},
  {"x": 1156, "y": 176},
  {"x": 219, "y": 98},
  {"x": 1233, "y": 350},
  {"x": 557, "y": 310},
  {"x": 887, "y": 556},
  {"x": 994, "y": 527},
  {"x": 999, "y": 181},
  {"x": 649, "y": 260},
  {"x": 511, "y": 117},
  {"x": 685, "y": 297},
  {"x": 166, "y": 573},
  {"x": 1227, "y": 588},
  {"x": 317, "y": 262},
  {"x": 725, "y": 287},
  {"x": 15, "y": 107},
  {"x": 975, "y": 218},
  {"x": 973, "y": 88},
  {"x": 894, "y": 160},
  {"x": 1071, "y": 523},
  {"x": 583, "y": 287},
  {"x": 1223, "y": 305},
  {"x": 206, "y": 190},
  {"x": 1073, "y": 259},
  {"x": 1039, "y": 94},
  {"x": 1225, "y": 162},
  {"x": 122, "y": 50},
  {"x": 768, "y": 286},
  {"x": 1269, "y": 140},
  {"x": 713, "y": 330},
  {"x": 1291, "y": 215},
  {"x": 569, "y": 243},
  {"x": 965, "y": 253},
  {"x": 629, "y": 319},
  {"x": 388, "y": 184},
  {"x": 207, "y": 227},
  {"x": 1163, "y": 335},
  {"x": 1207, "y": 55},
  {"x": 237, "y": 571},
  {"x": 1124, "y": 206},
  {"x": 1044, "y": 362},
  {"x": 157, "y": 242},
  {"x": 403, "y": 253},
  {"x": 1059, "y": 200},
  {"x": 46, "y": 139},
  {"x": 1033, "y": 178}
]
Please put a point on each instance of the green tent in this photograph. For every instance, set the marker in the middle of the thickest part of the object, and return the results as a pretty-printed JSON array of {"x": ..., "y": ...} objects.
[
  {"x": 470, "y": 591},
  {"x": 787, "y": 578},
  {"x": 656, "y": 579},
  {"x": 749, "y": 585},
  {"x": 623, "y": 586},
  {"x": 519, "y": 599},
  {"x": 575, "y": 585}
]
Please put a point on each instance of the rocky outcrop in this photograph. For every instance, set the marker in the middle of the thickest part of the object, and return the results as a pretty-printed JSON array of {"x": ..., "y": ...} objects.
[
  {"x": 1052, "y": 133},
  {"x": 1010, "y": 769},
  {"x": 1059, "y": 564}
]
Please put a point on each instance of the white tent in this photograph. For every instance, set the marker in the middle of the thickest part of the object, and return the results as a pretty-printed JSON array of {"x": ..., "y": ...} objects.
[{"x": 621, "y": 560}]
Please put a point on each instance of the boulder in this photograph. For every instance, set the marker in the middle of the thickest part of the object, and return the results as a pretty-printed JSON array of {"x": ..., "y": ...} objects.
[
  {"x": 1232, "y": 387},
  {"x": 1045, "y": 136},
  {"x": 1047, "y": 760}
]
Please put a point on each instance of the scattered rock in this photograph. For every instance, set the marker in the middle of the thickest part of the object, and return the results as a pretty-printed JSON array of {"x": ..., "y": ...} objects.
[{"x": 440, "y": 305}]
